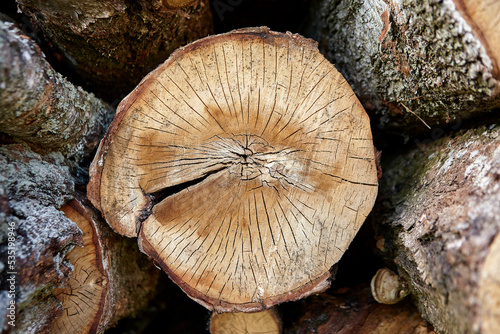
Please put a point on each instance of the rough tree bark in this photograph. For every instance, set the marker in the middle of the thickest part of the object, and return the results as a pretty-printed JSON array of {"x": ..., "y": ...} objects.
[
  {"x": 434, "y": 59},
  {"x": 352, "y": 311},
  {"x": 438, "y": 217},
  {"x": 40, "y": 106},
  {"x": 32, "y": 187},
  {"x": 112, "y": 45}
]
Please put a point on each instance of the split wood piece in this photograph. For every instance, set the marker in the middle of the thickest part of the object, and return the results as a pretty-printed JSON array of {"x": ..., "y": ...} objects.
[
  {"x": 113, "y": 45},
  {"x": 353, "y": 311},
  {"x": 414, "y": 61},
  {"x": 110, "y": 280},
  {"x": 40, "y": 106},
  {"x": 438, "y": 219},
  {"x": 252, "y": 323},
  {"x": 244, "y": 164}
]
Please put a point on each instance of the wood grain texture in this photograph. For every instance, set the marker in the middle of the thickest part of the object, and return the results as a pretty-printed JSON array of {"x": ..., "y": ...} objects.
[
  {"x": 84, "y": 297},
  {"x": 245, "y": 165},
  {"x": 111, "y": 278},
  {"x": 267, "y": 322}
]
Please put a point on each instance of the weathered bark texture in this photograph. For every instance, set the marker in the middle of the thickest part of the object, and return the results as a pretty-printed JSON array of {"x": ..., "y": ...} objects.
[
  {"x": 354, "y": 311},
  {"x": 40, "y": 106},
  {"x": 112, "y": 45},
  {"x": 111, "y": 279},
  {"x": 429, "y": 57},
  {"x": 438, "y": 217},
  {"x": 32, "y": 188}
]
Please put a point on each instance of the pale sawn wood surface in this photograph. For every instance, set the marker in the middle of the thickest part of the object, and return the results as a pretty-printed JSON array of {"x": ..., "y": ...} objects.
[
  {"x": 245, "y": 165},
  {"x": 267, "y": 322},
  {"x": 83, "y": 300}
]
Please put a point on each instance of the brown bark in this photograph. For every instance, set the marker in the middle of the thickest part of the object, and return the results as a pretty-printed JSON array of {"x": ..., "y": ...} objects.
[
  {"x": 245, "y": 166},
  {"x": 438, "y": 217},
  {"x": 112, "y": 45},
  {"x": 353, "y": 311},
  {"x": 40, "y": 106},
  {"x": 413, "y": 61}
]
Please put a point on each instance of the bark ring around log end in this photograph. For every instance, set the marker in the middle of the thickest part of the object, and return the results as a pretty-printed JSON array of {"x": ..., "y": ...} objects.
[
  {"x": 315, "y": 286},
  {"x": 244, "y": 164}
]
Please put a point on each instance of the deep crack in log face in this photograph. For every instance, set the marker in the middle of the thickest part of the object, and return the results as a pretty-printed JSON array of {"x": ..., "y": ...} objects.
[{"x": 244, "y": 164}]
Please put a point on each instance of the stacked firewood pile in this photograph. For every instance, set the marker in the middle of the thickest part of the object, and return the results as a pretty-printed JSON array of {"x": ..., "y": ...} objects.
[{"x": 306, "y": 166}]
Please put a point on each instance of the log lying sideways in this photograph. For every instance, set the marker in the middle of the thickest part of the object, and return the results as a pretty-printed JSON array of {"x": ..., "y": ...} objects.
[
  {"x": 113, "y": 45},
  {"x": 40, "y": 106},
  {"x": 437, "y": 60},
  {"x": 111, "y": 279},
  {"x": 438, "y": 218},
  {"x": 245, "y": 166}
]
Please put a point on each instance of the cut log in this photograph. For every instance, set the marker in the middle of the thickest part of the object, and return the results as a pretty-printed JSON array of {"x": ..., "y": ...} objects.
[
  {"x": 352, "y": 311},
  {"x": 113, "y": 45},
  {"x": 438, "y": 218},
  {"x": 252, "y": 323},
  {"x": 414, "y": 61},
  {"x": 245, "y": 165},
  {"x": 107, "y": 283},
  {"x": 40, "y": 106}
]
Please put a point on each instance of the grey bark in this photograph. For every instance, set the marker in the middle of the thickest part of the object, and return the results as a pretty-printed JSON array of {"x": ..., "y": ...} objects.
[
  {"x": 437, "y": 217},
  {"x": 407, "y": 55},
  {"x": 32, "y": 187},
  {"x": 40, "y": 106}
]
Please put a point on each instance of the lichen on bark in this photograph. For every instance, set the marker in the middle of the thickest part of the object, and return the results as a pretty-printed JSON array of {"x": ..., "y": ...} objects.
[
  {"x": 32, "y": 187},
  {"x": 408, "y": 55}
]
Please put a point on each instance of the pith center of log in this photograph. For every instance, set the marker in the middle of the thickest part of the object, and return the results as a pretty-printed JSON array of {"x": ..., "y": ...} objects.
[{"x": 251, "y": 157}]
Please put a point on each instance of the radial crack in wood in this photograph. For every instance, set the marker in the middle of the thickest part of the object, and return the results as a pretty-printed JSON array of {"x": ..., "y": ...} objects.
[
  {"x": 111, "y": 278},
  {"x": 244, "y": 164},
  {"x": 83, "y": 300}
]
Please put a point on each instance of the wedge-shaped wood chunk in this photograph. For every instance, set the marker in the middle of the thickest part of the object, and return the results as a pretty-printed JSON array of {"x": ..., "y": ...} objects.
[
  {"x": 244, "y": 164},
  {"x": 111, "y": 279},
  {"x": 83, "y": 300}
]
